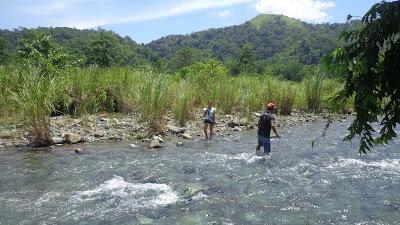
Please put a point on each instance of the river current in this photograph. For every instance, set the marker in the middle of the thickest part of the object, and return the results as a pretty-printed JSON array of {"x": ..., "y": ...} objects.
[{"x": 217, "y": 182}]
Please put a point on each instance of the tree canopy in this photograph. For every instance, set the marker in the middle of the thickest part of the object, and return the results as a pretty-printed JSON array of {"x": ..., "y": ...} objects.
[{"x": 370, "y": 64}]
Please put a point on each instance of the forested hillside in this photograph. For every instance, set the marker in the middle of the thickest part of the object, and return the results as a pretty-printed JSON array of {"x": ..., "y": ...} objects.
[
  {"x": 271, "y": 35},
  {"x": 81, "y": 43},
  {"x": 272, "y": 44}
]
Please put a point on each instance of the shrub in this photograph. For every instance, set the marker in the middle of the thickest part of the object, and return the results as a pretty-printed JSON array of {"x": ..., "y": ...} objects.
[
  {"x": 287, "y": 100},
  {"x": 313, "y": 92}
]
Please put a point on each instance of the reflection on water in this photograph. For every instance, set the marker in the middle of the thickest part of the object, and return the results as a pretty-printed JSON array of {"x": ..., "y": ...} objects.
[{"x": 218, "y": 182}]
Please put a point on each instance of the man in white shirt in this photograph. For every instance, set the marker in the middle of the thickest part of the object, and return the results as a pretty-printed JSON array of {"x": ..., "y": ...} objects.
[{"x": 209, "y": 119}]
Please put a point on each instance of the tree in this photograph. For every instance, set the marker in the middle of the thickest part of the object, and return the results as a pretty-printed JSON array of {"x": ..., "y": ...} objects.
[
  {"x": 4, "y": 50},
  {"x": 369, "y": 63},
  {"x": 38, "y": 49},
  {"x": 247, "y": 59},
  {"x": 187, "y": 56},
  {"x": 104, "y": 49}
]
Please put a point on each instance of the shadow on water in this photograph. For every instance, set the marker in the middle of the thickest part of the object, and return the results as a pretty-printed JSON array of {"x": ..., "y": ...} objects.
[{"x": 218, "y": 182}]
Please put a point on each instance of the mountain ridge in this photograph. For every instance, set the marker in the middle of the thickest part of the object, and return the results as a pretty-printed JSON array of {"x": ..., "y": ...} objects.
[{"x": 271, "y": 35}]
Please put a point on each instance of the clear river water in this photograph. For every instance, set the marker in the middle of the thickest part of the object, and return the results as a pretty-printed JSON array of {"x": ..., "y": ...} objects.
[{"x": 217, "y": 182}]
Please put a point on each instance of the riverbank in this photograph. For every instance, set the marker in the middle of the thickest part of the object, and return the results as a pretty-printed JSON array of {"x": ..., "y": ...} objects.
[{"x": 129, "y": 128}]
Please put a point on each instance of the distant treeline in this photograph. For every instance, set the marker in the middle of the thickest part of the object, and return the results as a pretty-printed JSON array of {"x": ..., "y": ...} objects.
[{"x": 268, "y": 44}]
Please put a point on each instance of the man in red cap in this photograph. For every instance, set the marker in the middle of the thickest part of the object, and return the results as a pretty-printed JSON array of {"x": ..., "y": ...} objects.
[{"x": 265, "y": 124}]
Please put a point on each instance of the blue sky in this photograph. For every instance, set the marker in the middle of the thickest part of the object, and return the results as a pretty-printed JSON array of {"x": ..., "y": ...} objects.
[{"x": 147, "y": 20}]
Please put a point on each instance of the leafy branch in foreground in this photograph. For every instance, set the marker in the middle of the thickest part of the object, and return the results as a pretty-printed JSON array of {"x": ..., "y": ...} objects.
[{"x": 370, "y": 65}]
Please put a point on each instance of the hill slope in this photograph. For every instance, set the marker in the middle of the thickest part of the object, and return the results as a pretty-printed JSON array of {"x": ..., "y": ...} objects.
[
  {"x": 76, "y": 42},
  {"x": 271, "y": 35}
]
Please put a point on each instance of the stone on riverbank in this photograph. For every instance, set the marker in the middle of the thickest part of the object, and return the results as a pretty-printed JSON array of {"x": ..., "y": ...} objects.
[
  {"x": 72, "y": 138},
  {"x": 237, "y": 128},
  {"x": 238, "y": 122},
  {"x": 187, "y": 136},
  {"x": 176, "y": 130},
  {"x": 5, "y": 134},
  {"x": 58, "y": 140}
]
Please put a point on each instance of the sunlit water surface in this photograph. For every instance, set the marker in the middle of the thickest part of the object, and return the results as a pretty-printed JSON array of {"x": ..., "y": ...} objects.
[{"x": 218, "y": 182}]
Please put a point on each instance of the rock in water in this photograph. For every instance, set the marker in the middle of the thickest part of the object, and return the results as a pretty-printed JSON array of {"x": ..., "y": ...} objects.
[
  {"x": 237, "y": 128},
  {"x": 158, "y": 138},
  {"x": 187, "y": 136},
  {"x": 72, "y": 138},
  {"x": 179, "y": 144},
  {"x": 154, "y": 144},
  {"x": 133, "y": 146},
  {"x": 78, "y": 150}
]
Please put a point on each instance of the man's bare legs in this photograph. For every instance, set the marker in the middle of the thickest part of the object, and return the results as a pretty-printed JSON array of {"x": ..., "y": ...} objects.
[
  {"x": 211, "y": 131},
  {"x": 205, "y": 130},
  {"x": 208, "y": 136}
]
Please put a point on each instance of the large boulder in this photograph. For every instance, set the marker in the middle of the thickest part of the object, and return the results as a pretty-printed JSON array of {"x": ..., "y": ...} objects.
[
  {"x": 58, "y": 140},
  {"x": 155, "y": 143},
  {"x": 235, "y": 122},
  {"x": 5, "y": 134},
  {"x": 71, "y": 138},
  {"x": 187, "y": 136}
]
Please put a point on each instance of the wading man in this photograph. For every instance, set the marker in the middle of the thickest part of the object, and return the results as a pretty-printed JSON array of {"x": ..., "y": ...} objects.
[
  {"x": 265, "y": 124},
  {"x": 209, "y": 120}
]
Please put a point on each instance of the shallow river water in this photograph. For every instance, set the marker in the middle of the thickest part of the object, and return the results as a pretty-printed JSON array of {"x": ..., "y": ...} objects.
[{"x": 218, "y": 182}]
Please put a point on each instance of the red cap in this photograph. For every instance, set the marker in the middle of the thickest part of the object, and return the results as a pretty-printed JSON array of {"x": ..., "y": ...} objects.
[{"x": 271, "y": 106}]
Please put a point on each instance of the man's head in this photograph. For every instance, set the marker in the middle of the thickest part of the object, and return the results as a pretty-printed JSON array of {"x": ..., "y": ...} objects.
[
  {"x": 270, "y": 106},
  {"x": 210, "y": 103}
]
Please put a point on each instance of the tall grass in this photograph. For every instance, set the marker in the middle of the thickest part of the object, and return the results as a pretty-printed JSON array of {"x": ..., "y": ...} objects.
[
  {"x": 184, "y": 101},
  {"x": 29, "y": 97},
  {"x": 152, "y": 97},
  {"x": 31, "y": 101},
  {"x": 313, "y": 92},
  {"x": 286, "y": 101}
]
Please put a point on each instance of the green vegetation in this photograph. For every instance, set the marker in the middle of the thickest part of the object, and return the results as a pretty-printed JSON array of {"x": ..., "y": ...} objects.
[
  {"x": 263, "y": 20},
  {"x": 62, "y": 71},
  {"x": 313, "y": 89},
  {"x": 273, "y": 36},
  {"x": 369, "y": 64},
  {"x": 29, "y": 96}
]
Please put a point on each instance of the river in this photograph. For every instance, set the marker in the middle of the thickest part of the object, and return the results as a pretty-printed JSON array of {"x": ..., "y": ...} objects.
[{"x": 217, "y": 182}]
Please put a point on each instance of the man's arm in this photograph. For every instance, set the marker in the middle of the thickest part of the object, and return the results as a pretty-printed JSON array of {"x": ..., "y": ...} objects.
[
  {"x": 274, "y": 128},
  {"x": 213, "y": 119}
]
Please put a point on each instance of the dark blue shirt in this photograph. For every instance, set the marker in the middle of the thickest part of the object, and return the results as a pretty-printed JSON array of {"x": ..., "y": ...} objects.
[{"x": 264, "y": 125}]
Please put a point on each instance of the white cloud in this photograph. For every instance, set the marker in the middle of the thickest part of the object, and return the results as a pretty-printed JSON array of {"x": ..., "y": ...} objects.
[
  {"x": 308, "y": 10},
  {"x": 179, "y": 9},
  {"x": 52, "y": 7},
  {"x": 222, "y": 13}
]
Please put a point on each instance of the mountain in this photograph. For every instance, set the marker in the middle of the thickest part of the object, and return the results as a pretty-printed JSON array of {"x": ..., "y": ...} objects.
[{"x": 271, "y": 36}]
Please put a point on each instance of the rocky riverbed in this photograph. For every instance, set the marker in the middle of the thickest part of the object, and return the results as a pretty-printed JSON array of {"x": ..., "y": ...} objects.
[{"x": 106, "y": 127}]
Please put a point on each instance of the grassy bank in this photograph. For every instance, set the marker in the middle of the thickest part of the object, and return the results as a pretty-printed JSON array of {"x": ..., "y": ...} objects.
[{"x": 29, "y": 97}]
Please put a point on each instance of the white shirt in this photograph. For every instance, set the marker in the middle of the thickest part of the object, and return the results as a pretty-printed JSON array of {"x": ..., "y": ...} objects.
[{"x": 209, "y": 113}]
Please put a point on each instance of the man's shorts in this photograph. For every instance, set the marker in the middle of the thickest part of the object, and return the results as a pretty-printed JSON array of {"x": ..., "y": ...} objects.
[
  {"x": 208, "y": 121},
  {"x": 265, "y": 143}
]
